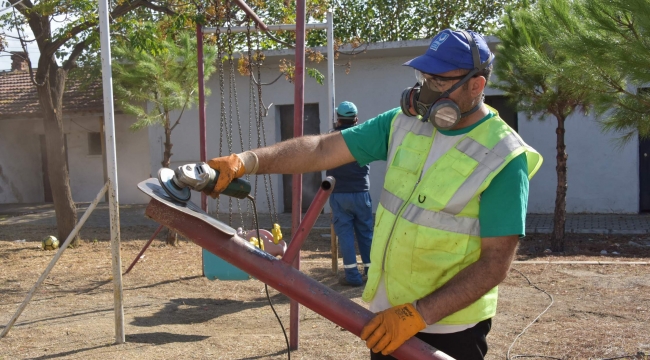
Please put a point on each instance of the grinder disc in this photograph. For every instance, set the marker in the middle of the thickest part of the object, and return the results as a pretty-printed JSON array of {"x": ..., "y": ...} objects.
[{"x": 165, "y": 176}]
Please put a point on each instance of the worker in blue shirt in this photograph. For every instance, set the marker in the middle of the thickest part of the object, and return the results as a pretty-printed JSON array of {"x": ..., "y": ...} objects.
[{"x": 351, "y": 206}]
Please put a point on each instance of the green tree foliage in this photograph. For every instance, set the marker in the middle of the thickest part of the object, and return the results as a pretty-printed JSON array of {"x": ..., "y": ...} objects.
[
  {"x": 531, "y": 71},
  {"x": 393, "y": 20},
  {"x": 579, "y": 54},
  {"x": 359, "y": 22},
  {"x": 151, "y": 82},
  {"x": 607, "y": 41},
  {"x": 164, "y": 79}
]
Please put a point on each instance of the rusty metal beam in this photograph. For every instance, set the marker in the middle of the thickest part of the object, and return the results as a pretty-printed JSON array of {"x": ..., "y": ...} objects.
[
  {"x": 276, "y": 273},
  {"x": 317, "y": 205},
  {"x": 252, "y": 14}
]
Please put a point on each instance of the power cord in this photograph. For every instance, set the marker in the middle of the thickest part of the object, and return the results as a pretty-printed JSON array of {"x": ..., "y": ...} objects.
[
  {"x": 639, "y": 355},
  {"x": 531, "y": 323},
  {"x": 266, "y": 287}
]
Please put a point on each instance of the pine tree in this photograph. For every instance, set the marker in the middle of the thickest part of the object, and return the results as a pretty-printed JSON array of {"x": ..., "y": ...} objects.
[{"x": 532, "y": 73}]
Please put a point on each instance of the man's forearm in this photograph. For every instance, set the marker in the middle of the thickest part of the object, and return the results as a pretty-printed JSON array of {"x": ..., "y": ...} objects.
[
  {"x": 304, "y": 154},
  {"x": 469, "y": 284}
]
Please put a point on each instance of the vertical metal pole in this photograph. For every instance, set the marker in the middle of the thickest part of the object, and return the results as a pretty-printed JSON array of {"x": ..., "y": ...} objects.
[
  {"x": 298, "y": 112},
  {"x": 331, "y": 104},
  {"x": 202, "y": 124},
  {"x": 104, "y": 164},
  {"x": 113, "y": 198}
]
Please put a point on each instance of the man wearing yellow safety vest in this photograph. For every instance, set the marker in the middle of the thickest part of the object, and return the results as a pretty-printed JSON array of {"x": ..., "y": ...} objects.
[{"x": 453, "y": 206}]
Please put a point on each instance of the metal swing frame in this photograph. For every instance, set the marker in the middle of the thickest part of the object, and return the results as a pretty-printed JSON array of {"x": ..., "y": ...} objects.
[{"x": 299, "y": 94}]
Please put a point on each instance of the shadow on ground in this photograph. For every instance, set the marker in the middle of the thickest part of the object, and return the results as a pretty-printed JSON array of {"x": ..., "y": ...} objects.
[
  {"x": 199, "y": 310},
  {"x": 161, "y": 338},
  {"x": 68, "y": 353}
]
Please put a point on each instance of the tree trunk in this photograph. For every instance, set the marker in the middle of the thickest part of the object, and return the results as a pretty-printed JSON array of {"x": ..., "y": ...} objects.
[
  {"x": 559, "y": 217},
  {"x": 167, "y": 155},
  {"x": 172, "y": 236},
  {"x": 50, "y": 96}
]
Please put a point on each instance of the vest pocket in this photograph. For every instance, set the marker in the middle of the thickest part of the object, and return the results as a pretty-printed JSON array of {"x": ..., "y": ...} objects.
[
  {"x": 437, "y": 256},
  {"x": 465, "y": 165},
  {"x": 429, "y": 279},
  {"x": 443, "y": 241},
  {"x": 407, "y": 159},
  {"x": 447, "y": 175}
]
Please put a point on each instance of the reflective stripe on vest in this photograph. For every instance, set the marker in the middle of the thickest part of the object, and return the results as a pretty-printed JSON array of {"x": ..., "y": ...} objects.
[
  {"x": 489, "y": 161},
  {"x": 429, "y": 218},
  {"x": 390, "y": 202}
]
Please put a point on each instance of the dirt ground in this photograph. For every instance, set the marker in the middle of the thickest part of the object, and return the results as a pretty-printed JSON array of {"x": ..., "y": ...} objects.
[{"x": 172, "y": 312}]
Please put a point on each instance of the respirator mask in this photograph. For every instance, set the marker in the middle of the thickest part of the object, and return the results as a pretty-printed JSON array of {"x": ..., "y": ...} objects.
[{"x": 434, "y": 105}]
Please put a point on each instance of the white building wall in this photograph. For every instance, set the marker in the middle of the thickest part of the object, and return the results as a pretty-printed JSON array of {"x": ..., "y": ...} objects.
[
  {"x": 21, "y": 175},
  {"x": 21, "y": 179},
  {"x": 87, "y": 171},
  {"x": 602, "y": 177}
]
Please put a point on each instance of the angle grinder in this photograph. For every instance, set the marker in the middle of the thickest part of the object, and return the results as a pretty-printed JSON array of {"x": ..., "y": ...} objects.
[{"x": 198, "y": 177}]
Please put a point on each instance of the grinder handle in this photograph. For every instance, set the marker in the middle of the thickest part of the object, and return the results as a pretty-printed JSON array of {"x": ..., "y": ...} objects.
[{"x": 238, "y": 188}]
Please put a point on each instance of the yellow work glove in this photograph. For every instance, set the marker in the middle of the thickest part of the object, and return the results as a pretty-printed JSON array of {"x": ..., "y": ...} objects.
[
  {"x": 229, "y": 168},
  {"x": 390, "y": 328},
  {"x": 277, "y": 233}
]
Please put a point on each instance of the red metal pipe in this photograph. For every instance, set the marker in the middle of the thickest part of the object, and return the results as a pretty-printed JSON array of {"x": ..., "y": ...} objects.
[
  {"x": 144, "y": 248},
  {"x": 280, "y": 276},
  {"x": 298, "y": 237},
  {"x": 252, "y": 14},
  {"x": 203, "y": 148},
  {"x": 298, "y": 115}
]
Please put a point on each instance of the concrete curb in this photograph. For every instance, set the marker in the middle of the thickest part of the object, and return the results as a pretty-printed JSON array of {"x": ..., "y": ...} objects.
[{"x": 592, "y": 231}]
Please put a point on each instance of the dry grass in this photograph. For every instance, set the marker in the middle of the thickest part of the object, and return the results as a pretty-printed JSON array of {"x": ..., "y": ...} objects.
[{"x": 172, "y": 312}]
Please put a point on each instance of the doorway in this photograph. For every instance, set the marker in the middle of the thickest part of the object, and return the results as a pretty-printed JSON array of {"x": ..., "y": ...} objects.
[
  {"x": 310, "y": 181},
  {"x": 644, "y": 175}
]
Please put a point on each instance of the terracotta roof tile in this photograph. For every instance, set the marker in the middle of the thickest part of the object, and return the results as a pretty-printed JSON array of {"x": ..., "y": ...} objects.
[{"x": 18, "y": 96}]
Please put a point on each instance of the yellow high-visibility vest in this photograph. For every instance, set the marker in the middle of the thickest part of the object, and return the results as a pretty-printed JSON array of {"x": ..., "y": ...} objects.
[{"x": 427, "y": 226}]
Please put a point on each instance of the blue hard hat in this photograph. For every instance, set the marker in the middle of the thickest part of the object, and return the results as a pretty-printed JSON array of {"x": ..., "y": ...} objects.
[{"x": 347, "y": 110}]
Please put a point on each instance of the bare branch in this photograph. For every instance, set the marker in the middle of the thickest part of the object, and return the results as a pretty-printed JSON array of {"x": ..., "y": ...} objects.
[
  {"x": 76, "y": 51},
  {"x": 187, "y": 100},
  {"x": 23, "y": 44},
  {"x": 18, "y": 38}
]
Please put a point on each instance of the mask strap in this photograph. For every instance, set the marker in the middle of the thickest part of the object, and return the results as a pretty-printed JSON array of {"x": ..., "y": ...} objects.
[
  {"x": 476, "y": 58},
  {"x": 472, "y": 110}
]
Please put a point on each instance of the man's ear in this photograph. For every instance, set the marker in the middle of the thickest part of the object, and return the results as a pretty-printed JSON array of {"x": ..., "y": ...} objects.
[{"x": 477, "y": 85}]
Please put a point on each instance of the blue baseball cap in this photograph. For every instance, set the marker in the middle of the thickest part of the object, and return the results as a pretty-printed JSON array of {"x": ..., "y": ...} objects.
[
  {"x": 346, "y": 109},
  {"x": 450, "y": 50}
]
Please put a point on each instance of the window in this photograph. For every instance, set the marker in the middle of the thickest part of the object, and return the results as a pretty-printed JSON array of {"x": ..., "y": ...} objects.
[{"x": 94, "y": 143}]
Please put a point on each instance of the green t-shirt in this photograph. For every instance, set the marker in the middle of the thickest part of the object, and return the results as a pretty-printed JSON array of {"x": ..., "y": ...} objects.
[{"x": 502, "y": 210}]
